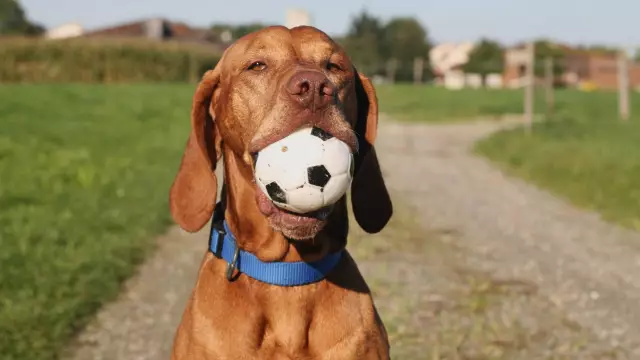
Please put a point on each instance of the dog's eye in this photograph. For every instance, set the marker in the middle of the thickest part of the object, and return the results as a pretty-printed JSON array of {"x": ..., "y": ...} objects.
[
  {"x": 333, "y": 67},
  {"x": 257, "y": 66}
]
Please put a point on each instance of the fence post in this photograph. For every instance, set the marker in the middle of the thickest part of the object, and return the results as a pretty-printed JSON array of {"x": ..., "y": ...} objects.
[
  {"x": 391, "y": 70},
  {"x": 529, "y": 86},
  {"x": 623, "y": 86},
  {"x": 418, "y": 69},
  {"x": 549, "y": 79}
]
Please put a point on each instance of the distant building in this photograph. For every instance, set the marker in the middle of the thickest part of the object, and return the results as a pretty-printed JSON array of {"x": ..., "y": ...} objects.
[
  {"x": 64, "y": 31},
  {"x": 159, "y": 29},
  {"x": 515, "y": 66},
  {"x": 448, "y": 57},
  {"x": 588, "y": 69},
  {"x": 298, "y": 17},
  {"x": 591, "y": 69},
  {"x": 494, "y": 81},
  {"x": 447, "y": 60}
]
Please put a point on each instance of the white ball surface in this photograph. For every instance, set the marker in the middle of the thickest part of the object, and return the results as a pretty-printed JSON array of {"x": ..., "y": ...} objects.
[{"x": 305, "y": 171}]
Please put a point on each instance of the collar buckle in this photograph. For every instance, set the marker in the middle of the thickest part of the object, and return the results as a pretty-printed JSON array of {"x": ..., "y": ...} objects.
[{"x": 233, "y": 264}]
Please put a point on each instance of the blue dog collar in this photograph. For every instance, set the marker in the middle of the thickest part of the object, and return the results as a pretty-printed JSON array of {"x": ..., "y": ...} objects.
[{"x": 223, "y": 245}]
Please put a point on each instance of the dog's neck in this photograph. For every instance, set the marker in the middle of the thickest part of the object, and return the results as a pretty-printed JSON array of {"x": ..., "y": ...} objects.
[{"x": 253, "y": 232}]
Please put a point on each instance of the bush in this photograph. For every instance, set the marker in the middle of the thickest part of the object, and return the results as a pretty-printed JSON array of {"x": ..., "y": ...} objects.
[{"x": 101, "y": 61}]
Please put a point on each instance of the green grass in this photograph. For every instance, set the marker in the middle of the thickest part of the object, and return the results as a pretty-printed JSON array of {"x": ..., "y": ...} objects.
[
  {"x": 85, "y": 173},
  {"x": 583, "y": 153},
  {"x": 436, "y": 104}
]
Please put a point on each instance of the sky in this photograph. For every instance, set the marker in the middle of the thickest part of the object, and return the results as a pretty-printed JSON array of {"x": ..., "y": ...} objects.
[{"x": 610, "y": 22}]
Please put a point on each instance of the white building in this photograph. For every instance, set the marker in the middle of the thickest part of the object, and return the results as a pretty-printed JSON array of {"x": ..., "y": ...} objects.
[
  {"x": 448, "y": 57},
  {"x": 64, "y": 31},
  {"x": 494, "y": 81},
  {"x": 298, "y": 17}
]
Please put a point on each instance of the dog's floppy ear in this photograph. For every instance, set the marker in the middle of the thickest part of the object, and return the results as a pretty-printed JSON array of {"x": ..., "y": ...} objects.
[
  {"x": 193, "y": 193},
  {"x": 370, "y": 199}
]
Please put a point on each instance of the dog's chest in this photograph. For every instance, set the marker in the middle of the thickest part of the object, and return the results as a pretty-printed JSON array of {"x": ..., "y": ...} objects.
[
  {"x": 292, "y": 331},
  {"x": 243, "y": 321}
]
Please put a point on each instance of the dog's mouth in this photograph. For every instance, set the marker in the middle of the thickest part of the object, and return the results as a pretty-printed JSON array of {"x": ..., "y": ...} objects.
[{"x": 284, "y": 220}]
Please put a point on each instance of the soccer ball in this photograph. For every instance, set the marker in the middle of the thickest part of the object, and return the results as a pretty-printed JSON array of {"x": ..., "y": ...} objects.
[{"x": 305, "y": 171}]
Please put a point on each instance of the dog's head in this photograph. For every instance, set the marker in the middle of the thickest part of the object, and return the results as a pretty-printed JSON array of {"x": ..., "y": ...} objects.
[{"x": 267, "y": 85}]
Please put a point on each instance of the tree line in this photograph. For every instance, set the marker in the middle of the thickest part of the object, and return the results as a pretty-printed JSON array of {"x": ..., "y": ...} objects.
[
  {"x": 14, "y": 21},
  {"x": 370, "y": 42},
  {"x": 373, "y": 43}
]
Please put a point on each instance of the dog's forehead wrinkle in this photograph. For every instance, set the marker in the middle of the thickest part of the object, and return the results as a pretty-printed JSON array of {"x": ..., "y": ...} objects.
[
  {"x": 311, "y": 41},
  {"x": 315, "y": 51},
  {"x": 268, "y": 51}
]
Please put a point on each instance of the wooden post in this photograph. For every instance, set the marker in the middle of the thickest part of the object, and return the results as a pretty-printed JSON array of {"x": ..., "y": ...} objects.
[
  {"x": 549, "y": 77},
  {"x": 529, "y": 87},
  {"x": 623, "y": 87},
  {"x": 418, "y": 69},
  {"x": 391, "y": 70}
]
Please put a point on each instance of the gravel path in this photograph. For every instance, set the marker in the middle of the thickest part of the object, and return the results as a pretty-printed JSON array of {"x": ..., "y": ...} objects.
[
  {"x": 585, "y": 266},
  {"x": 486, "y": 267},
  {"x": 141, "y": 323}
]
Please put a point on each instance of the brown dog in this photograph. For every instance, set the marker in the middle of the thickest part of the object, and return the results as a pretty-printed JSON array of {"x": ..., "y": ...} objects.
[{"x": 267, "y": 85}]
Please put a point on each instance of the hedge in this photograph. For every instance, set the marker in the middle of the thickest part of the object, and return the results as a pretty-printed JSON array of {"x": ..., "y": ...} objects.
[{"x": 94, "y": 60}]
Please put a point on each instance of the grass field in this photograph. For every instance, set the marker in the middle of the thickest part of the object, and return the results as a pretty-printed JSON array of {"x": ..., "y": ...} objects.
[
  {"x": 433, "y": 104},
  {"x": 84, "y": 188},
  {"x": 85, "y": 172},
  {"x": 85, "y": 176},
  {"x": 583, "y": 153}
]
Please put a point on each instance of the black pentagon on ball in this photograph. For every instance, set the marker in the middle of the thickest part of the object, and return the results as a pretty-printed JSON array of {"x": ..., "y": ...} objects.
[
  {"x": 276, "y": 193},
  {"x": 318, "y": 175},
  {"x": 317, "y": 132}
]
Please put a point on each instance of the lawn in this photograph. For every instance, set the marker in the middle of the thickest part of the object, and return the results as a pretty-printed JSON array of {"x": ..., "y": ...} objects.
[
  {"x": 583, "y": 153},
  {"x": 436, "y": 104},
  {"x": 85, "y": 173}
]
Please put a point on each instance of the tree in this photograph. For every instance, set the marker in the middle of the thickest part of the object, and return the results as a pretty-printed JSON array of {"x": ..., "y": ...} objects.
[
  {"x": 244, "y": 29},
  {"x": 486, "y": 57},
  {"x": 13, "y": 20},
  {"x": 365, "y": 25},
  {"x": 237, "y": 31},
  {"x": 599, "y": 49},
  {"x": 545, "y": 49},
  {"x": 363, "y": 44},
  {"x": 404, "y": 40}
]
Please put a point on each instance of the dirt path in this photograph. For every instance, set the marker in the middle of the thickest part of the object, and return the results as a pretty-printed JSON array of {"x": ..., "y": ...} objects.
[
  {"x": 141, "y": 323},
  {"x": 585, "y": 267},
  {"x": 474, "y": 265}
]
